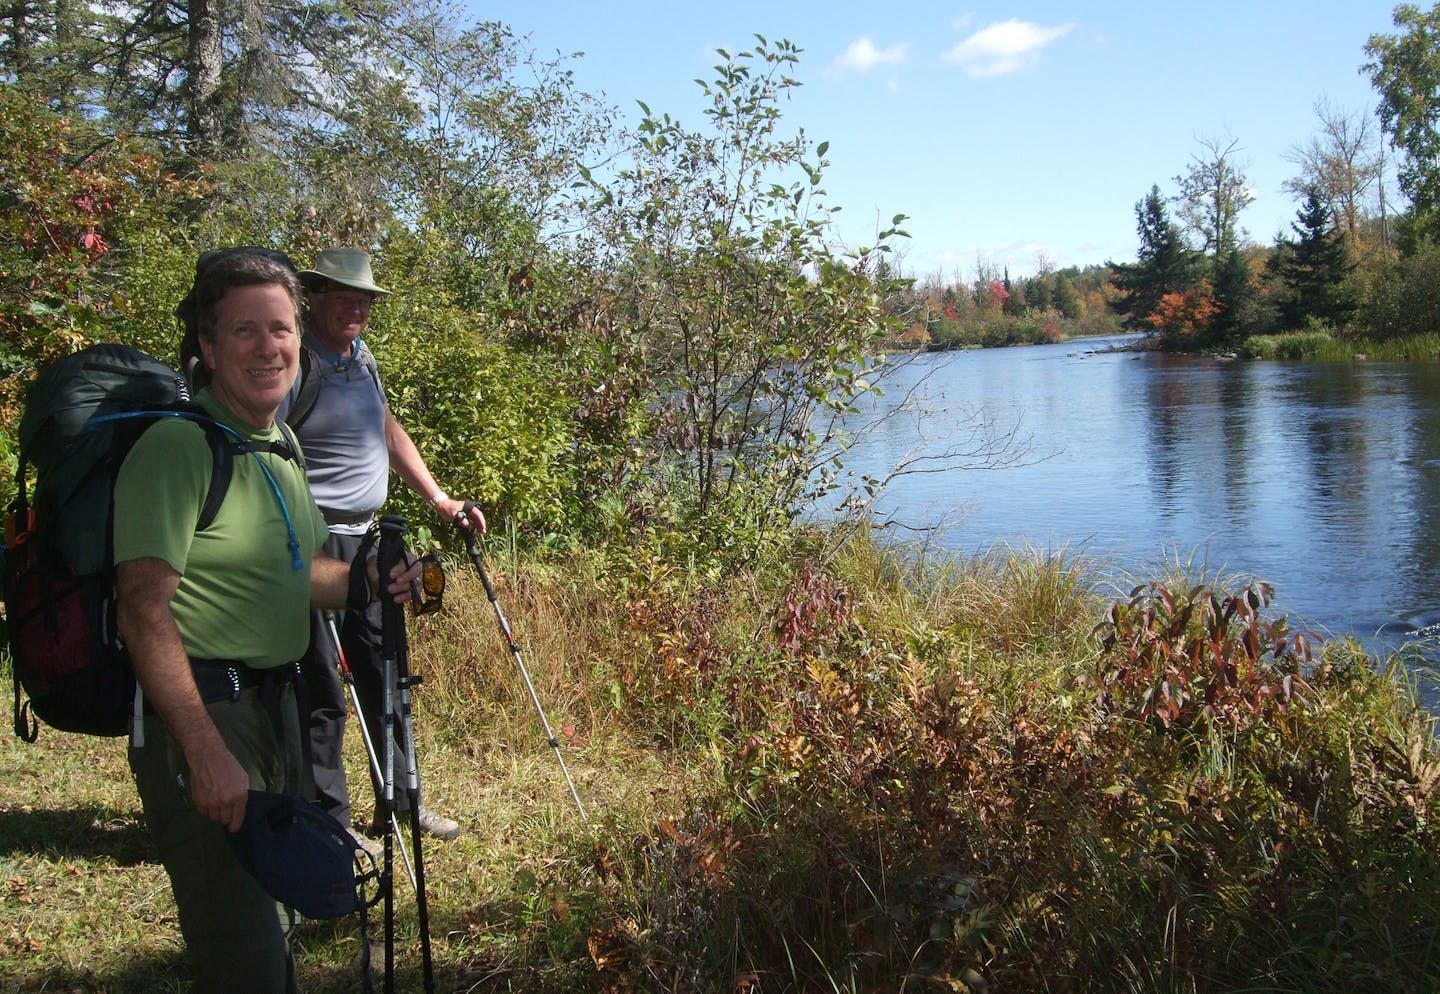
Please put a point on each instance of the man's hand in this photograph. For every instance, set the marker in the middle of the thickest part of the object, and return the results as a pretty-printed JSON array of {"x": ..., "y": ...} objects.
[
  {"x": 145, "y": 588},
  {"x": 404, "y": 576},
  {"x": 465, "y": 513},
  {"x": 219, "y": 786}
]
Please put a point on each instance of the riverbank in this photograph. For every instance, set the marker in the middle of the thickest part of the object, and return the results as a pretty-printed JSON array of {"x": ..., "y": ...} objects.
[
  {"x": 843, "y": 771},
  {"x": 1325, "y": 347},
  {"x": 1320, "y": 346}
]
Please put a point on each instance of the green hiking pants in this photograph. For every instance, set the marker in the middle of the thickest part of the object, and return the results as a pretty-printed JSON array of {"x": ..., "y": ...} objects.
[{"x": 234, "y": 932}]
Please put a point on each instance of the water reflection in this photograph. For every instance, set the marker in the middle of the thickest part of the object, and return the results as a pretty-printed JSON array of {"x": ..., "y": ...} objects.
[{"x": 1323, "y": 478}]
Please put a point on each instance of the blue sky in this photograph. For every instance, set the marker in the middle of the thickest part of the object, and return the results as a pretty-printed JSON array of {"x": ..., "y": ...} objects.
[{"x": 1003, "y": 131}]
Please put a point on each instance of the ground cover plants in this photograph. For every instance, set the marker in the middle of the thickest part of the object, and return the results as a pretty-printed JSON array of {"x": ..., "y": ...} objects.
[{"x": 847, "y": 770}]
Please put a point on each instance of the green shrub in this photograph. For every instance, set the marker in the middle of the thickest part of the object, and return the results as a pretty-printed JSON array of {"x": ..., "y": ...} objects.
[
  {"x": 1405, "y": 299},
  {"x": 1291, "y": 345}
]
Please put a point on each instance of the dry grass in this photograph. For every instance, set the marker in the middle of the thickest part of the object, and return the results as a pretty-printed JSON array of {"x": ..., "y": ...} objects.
[{"x": 873, "y": 775}]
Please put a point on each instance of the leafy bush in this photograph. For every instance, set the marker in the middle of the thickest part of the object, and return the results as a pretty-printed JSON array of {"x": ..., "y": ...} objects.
[
  {"x": 1405, "y": 299},
  {"x": 74, "y": 208},
  {"x": 954, "y": 809},
  {"x": 1199, "y": 659}
]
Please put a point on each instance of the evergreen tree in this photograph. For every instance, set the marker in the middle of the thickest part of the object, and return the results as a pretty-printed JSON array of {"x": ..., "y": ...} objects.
[
  {"x": 1164, "y": 264},
  {"x": 1014, "y": 305},
  {"x": 1312, "y": 268},
  {"x": 1039, "y": 293},
  {"x": 1232, "y": 293},
  {"x": 1064, "y": 298}
]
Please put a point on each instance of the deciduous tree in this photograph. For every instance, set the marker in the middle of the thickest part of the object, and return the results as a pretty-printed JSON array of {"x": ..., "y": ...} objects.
[
  {"x": 1404, "y": 69},
  {"x": 758, "y": 334},
  {"x": 1212, "y": 194},
  {"x": 1185, "y": 317},
  {"x": 1342, "y": 162},
  {"x": 65, "y": 213}
]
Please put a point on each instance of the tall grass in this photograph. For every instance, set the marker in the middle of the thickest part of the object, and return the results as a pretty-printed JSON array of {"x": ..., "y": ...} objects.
[
  {"x": 1324, "y": 346},
  {"x": 851, "y": 770}
]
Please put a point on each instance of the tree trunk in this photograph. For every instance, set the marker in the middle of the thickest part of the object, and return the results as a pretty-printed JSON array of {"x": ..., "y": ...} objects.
[{"x": 203, "y": 62}]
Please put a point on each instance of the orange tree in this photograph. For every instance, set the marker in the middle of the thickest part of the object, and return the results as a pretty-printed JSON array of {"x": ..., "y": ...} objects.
[{"x": 1184, "y": 318}]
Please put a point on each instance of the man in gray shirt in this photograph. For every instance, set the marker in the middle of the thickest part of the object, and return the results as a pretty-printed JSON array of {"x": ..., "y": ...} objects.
[{"x": 351, "y": 442}]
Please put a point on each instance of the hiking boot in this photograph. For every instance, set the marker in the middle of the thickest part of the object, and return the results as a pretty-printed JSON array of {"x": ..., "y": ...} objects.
[
  {"x": 432, "y": 824},
  {"x": 438, "y": 825},
  {"x": 370, "y": 845}
]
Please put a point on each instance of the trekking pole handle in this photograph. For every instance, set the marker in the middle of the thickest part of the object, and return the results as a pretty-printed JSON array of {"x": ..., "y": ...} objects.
[
  {"x": 468, "y": 534},
  {"x": 392, "y": 615},
  {"x": 392, "y": 530}
]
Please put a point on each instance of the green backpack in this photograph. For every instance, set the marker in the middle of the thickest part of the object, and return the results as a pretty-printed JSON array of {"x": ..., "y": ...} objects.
[{"x": 82, "y": 415}]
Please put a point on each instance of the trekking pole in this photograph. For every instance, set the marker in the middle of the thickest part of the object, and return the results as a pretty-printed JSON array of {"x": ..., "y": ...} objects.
[
  {"x": 387, "y": 799},
  {"x": 348, "y": 679},
  {"x": 468, "y": 534},
  {"x": 396, "y": 651}
]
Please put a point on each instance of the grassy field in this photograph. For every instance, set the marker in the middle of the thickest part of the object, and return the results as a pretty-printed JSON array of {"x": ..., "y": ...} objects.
[{"x": 854, "y": 771}]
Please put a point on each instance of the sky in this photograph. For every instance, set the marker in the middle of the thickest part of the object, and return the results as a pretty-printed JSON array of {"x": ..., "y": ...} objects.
[{"x": 1005, "y": 132}]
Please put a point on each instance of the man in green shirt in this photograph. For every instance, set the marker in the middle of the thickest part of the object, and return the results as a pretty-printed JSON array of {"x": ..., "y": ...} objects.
[{"x": 214, "y": 621}]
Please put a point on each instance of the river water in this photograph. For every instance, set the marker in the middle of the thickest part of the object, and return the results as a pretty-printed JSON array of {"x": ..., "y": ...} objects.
[{"x": 1322, "y": 478}]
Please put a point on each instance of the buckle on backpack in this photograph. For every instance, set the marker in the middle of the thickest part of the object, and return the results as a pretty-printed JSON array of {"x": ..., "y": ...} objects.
[{"x": 18, "y": 529}]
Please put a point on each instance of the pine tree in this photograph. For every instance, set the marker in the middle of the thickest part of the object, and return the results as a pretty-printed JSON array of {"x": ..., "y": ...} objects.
[
  {"x": 1313, "y": 267},
  {"x": 1064, "y": 298},
  {"x": 1014, "y": 305},
  {"x": 1232, "y": 293},
  {"x": 1164, "y": 264},
  {"x": 1038, "y": 292}
]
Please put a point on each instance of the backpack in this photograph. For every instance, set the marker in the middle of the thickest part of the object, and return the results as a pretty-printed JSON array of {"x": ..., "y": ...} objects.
[{"x": 82, "y": 415}]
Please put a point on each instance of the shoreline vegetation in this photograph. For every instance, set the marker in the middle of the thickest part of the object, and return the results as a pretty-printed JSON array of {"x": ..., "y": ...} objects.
[
  {"x": 811, "y": 762},
  {"x": 852, "y": 769},
  {"x": 1320, "y": 346}
]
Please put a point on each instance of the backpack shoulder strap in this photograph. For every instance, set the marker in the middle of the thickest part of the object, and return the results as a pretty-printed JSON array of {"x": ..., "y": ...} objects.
[
  {"x": 311, "y": 371},
  {"x": 314, "y": 367},
  {"x": 225, "y": 449},
  {"x": 290, "y": 449},
  {"x": 222, "y": 470}
]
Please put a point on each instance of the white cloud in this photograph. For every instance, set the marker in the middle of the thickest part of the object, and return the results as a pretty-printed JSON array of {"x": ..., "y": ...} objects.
[
  {"x": 1003, "y": 48},
  {"x": 862, "y": 56}
]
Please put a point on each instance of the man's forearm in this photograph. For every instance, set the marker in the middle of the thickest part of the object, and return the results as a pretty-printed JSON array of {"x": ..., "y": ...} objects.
[
  {"x": 406, "y": 460},
  {"x": 158, "y": 655},
  {"x": 329, "y": 583}
]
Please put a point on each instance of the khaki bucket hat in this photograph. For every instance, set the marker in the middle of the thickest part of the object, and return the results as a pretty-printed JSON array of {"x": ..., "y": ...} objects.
[{"x": 346, "y": 266}]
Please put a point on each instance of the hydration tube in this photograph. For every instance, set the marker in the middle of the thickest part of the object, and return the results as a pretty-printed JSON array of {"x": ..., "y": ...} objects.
[{"x": 292, "y": 542}]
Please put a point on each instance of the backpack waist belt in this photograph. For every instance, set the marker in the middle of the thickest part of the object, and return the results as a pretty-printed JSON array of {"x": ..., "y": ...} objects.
[
  {"x": 224, "y": 679},
  {"x": 346, "y": 517}
]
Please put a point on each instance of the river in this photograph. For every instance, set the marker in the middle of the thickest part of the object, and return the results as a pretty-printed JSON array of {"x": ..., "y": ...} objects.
[{"x": 1321, "y": 478}]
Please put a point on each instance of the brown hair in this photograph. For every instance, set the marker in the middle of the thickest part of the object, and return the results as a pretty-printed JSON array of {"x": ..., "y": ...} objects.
[
  {"x": 238, "y": 269},
  {"x": 215, "y": 273}
]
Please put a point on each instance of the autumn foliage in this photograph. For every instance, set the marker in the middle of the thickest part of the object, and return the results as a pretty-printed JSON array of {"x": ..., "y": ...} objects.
[
  {"x": 67, "y": 200},
  {"x": 1185, "y": 315}
]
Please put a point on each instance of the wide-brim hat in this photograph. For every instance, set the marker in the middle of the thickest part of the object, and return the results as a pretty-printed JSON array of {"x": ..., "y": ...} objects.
[{"x": 346, "y": 266}]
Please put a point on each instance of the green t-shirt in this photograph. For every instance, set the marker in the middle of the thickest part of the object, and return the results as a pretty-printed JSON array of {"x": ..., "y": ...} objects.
[{"x": 239, "y": 597}]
